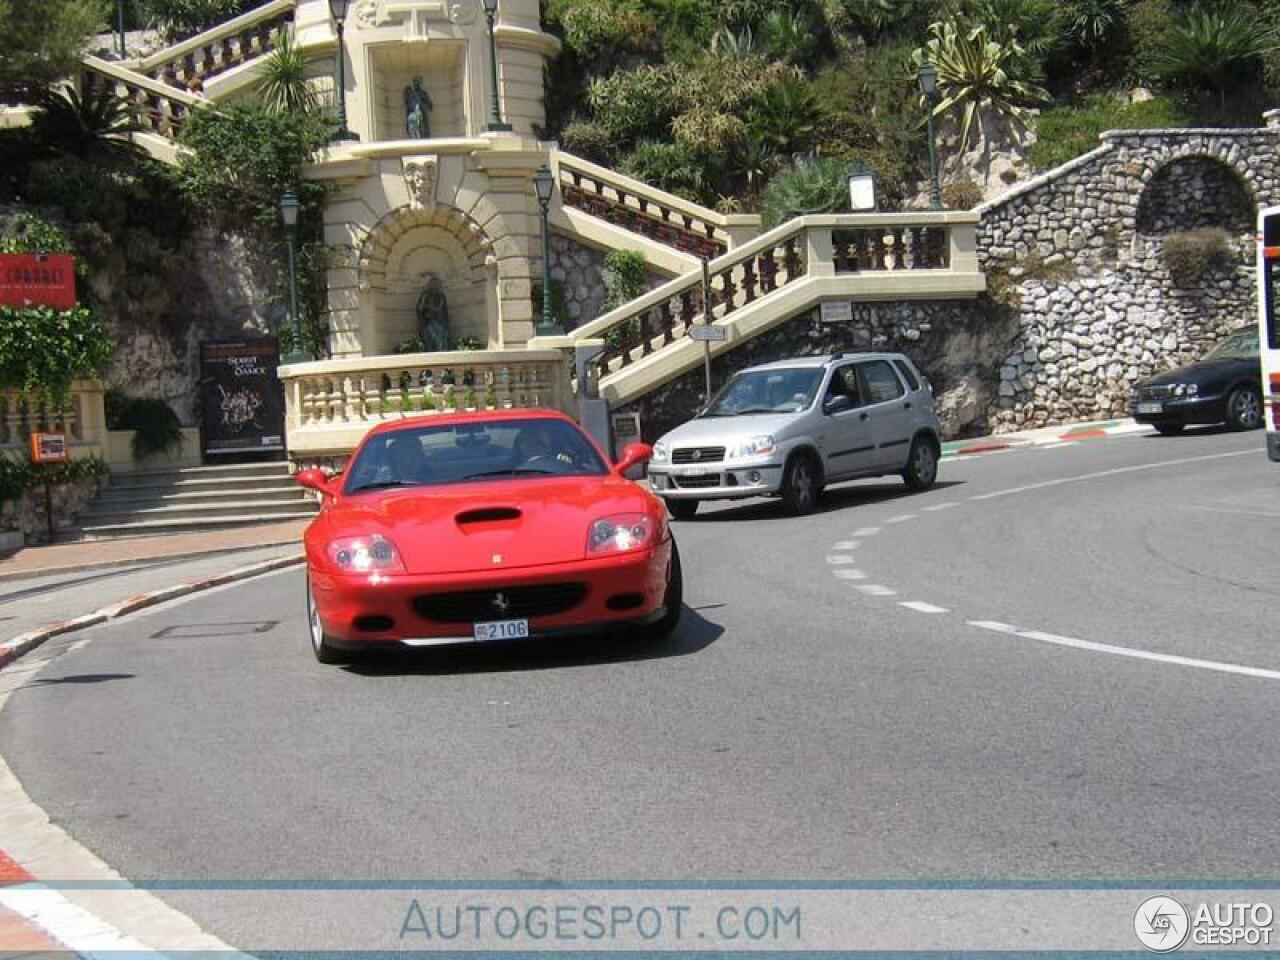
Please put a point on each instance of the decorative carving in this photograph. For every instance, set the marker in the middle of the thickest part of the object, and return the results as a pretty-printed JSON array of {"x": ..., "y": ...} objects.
[
  {"x": 420, "y": 175},
  {"x": 463, "y": 11},
  {"x": 367, "y": 14}
]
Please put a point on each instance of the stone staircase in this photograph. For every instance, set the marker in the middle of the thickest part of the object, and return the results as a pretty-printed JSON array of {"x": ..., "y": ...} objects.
[{"x": 192, "y": 500}]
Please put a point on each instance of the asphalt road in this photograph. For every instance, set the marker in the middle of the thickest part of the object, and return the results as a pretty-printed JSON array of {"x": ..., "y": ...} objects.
[{"x": 803, "y": 724}]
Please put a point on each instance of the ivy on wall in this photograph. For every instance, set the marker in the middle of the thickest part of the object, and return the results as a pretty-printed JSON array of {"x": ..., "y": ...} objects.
[
  {"x": 46, "y": 349},
  {"x": 19, "y": 476}
]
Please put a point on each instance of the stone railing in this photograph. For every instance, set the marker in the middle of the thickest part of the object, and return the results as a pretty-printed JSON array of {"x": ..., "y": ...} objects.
[
  {"x": 330, "y": 405},
  {"x": 159, "y": 108},
  {"x": 216, "y": 51},
  {"x": 81, "y": 418},
  {"x": 652, "y": 213},
  {"x": 892, "y": 250}
]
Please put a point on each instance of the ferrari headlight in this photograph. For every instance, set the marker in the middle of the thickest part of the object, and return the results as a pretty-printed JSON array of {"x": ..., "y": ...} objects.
[
  {"x": 659, "y": 452},
  {"x": 621, "y": 533},
  {"x": 755, "y": 447},
  {"x": 365, "y": 555}
]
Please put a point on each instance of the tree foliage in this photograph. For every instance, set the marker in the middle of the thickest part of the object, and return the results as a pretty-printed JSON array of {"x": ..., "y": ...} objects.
[
  {"x": 41, "y": 41},
  {"x": 1218, "y": 47}
]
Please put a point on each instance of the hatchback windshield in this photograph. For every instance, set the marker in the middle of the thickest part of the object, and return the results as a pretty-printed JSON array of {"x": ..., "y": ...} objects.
[
  {"x": 1241, "y": 345},
  {"x": 473, "y": 452},
  {"x": 784, "y": 390}
]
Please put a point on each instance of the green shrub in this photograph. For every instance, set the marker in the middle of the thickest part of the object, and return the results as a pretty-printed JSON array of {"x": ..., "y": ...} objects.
[
  {"x": 1192, "y": 255},
  {"x": 670, "y": 167},
  {"x": 42, "y": 349},
  {"x": 180, "y": 18},
  {"x": 961, "y": 195},
  {"x": 1064, "y": 133},
  {"x": 157, "y": 428},
  {"x": 20, "y": 475},
  {"x": 811, "y": 185}
]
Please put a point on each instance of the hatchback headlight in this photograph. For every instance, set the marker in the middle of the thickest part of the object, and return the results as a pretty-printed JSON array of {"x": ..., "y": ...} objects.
[
  {"x": 659, "y": 452},
  {"x": 365, "y": 555},
  {"x": 755, "y": 447}
]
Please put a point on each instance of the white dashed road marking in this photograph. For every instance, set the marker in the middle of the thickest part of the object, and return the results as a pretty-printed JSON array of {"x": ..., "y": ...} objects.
[
  {"x": 902, "y": 518},
  {"x": 847, "y": 545},
  {"x": 875, "y": 590},
  {"x": 848, "y": 573},
  {"x": 922, "y": 607},
  {"x": 866, "y": 532},
  {"x": 836, "y": 560},
  {"x": 941, "y": 506}
]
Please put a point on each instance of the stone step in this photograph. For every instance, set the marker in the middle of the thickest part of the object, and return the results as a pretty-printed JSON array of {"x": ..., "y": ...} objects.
[
  {"x": 152, "y": 528},
  {"x": 129, "y": 513},
  {"x": 172, "y": 484},
  {"x": 214, "y": 474},
  {"x": 166, "y": 496}
]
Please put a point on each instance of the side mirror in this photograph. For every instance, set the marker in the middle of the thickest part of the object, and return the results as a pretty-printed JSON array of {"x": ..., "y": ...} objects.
[
  {"x": 315, "y": 479},
  {"x": 635, "y": 453},
  {"x": 837, "y": 404}
]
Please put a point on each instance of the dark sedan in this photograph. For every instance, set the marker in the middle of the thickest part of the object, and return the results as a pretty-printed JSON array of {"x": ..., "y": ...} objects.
[{"x": 1224, "y": 387}]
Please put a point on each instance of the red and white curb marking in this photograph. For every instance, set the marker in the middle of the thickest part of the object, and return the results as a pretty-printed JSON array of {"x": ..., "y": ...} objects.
[
  {"x": 1051, "y": 441},
  {"x": 10, "y": 650},
  {"x": 841, "y": 560}
]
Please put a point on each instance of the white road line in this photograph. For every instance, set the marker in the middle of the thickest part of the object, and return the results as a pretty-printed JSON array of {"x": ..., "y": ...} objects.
[
  {"x": 866, "y": 532},
  {"x": 836, "y": 560},
  {"x": 922, "y": 607},
  {"x": 875, "y": 590},
  {"x": 1242, "y": 513},
  {"x": 941, "y": 506},
  {"x": 848, "y": 573},
  {"x": 901, "y": 518},
  {"x": 73, "y": 926},
  {"x": 847, "y": 545},
  {"x": 1058, "y": 445},
  {"x": 1116, "y": 472},
  {"x": 992, "y": 625}
]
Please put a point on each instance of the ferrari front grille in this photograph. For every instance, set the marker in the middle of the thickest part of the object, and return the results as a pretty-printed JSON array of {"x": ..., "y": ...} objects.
[{"x": 505, "y": 603}]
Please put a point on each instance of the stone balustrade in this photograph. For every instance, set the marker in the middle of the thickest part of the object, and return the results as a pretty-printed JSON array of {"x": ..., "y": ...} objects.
[
  {"x": 330, "y": 405},
  {"x": 220, "y": 49},
  {"x": 158, "y": 107},
  {"x": 81, "y": 417}
]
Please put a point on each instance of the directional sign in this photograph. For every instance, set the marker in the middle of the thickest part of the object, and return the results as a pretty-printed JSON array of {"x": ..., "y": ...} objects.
[{"x": 707, "y": 333}]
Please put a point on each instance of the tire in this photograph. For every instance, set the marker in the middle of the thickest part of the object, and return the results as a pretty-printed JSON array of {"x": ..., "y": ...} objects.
[
  {"x": 1169, "y": 429},
  {"x": 922, "y": 465},
  {"x": 800, "y": 485},
  {"x": 683, "y": 509},
  {"x": 324, "y": 651},
  {"x": 673, "y": 600},
  {"x": 1244, "y": 409}
]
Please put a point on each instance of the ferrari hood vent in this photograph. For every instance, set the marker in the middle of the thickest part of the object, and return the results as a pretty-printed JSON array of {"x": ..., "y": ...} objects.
[{"x": 487, "y": 515}]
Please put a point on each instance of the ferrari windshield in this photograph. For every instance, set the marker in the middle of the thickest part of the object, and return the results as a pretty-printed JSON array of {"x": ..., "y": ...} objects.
[
  {"x": 473, "y": 452},
  {"x": 779, "y": 390}
]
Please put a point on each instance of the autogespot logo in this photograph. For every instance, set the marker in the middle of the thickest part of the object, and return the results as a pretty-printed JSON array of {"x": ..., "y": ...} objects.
[{"x": 1161, "y": 924}]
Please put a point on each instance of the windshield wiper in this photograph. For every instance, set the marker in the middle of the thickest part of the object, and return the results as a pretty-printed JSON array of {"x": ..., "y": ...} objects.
[
  {"x": 518, "y": 472},
  {"x": 383, "y": 484}
]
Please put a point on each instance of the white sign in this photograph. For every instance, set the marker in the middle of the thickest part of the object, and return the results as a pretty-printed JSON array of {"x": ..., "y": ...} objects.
[
  {"x": 862, "y": 192},
  {"x": 703, "y": 332},
  {"x": 839, "y": 312}
]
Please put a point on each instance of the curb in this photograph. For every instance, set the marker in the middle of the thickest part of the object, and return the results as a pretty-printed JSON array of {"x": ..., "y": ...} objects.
[
  {"x": 1067, "y": 433},
  {"x": 11, "y": 650}
]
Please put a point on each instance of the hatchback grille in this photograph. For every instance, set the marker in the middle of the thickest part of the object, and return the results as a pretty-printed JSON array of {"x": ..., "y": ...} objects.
[
  {"x": 698, "y": 455},
  {"x": 506, "y": 603},
  {"x": 697, "y": 483}
]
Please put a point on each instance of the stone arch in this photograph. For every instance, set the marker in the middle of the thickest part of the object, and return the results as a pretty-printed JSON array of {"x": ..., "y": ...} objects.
[
  {"x": 386, "y": 235},
  {"x": 1189, "y": 188}
]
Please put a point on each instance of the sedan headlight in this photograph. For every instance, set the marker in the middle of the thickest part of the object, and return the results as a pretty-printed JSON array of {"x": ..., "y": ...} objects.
[
  {"x": 1186, "y": 390},
  {"x": 621, "y": 533},
  {"x": 659, "y": 452},
  {"x": 755, "y": 447},
  {"x": 365, "y": 555}
]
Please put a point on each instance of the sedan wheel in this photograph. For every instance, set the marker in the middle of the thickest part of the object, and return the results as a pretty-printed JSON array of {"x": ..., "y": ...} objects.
[
  {"x": 325, "y": 652},
  {"x": 922, "y": 465},
  {"x": 1244, "y": 409}
]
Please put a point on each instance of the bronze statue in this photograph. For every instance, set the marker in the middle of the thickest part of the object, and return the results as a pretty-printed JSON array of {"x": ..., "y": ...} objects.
[
  {"x": 433, "y": 317},
  {"x": 417, "y": 107}
]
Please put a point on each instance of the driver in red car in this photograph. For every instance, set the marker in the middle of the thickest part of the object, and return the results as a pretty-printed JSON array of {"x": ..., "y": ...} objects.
[
  {"x": 534, "y": 443},
  {"x": 408, "y": 462}
]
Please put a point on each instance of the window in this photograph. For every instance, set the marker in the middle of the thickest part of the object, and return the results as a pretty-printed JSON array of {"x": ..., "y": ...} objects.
[
  {"x": 908, "y": 374},
  {"x": 777, "y": 390},
  {"x": 881, "y": 382},
  {"x": 844, "y": 383}
]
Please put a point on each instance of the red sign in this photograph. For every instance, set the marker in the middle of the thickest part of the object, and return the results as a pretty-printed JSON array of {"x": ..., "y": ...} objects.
[
  {"x": 48, "y": 447},
  {"x": 37, "y": 280}
]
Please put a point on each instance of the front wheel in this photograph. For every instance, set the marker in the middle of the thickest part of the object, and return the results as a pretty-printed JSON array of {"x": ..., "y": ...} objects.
[
  {"x": 1244, "y": 409},
  {"x": 1169, "y": 429},
  {"x": 324, "y": 651},
  {"x": 683, "y": 509},
  {"x": 800, "y": 485},
  {"x": 673, "y": 599},
  {"x": 922, "y": 465}
]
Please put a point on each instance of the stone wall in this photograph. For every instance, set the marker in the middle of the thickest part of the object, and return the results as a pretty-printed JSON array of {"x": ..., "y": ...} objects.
[
  {"x": 582, "y": 271},
  {"x": 27, "y": 515}
]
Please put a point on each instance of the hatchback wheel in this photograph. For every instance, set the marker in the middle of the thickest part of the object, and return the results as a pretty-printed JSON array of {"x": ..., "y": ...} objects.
[
  {"x": 922, "y": 465},
  {"x": 1244, "y": 409},
  {"x": 325, "y": 651},
  {"x": 800, "y": 485},
  {"x": 683, "y": 509}
]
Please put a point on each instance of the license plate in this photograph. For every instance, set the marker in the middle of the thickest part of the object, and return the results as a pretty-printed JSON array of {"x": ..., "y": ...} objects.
[
  {"x": 502, "y": 630},
  {"x": 695, "y": 471},
  {"x": 1151, "y": 407}
]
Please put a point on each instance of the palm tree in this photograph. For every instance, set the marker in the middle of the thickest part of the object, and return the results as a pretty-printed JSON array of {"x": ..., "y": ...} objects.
[
  {"x": 284, "y": 87},
  {"x": 1215, "y": 47},
  {"x": 811, "y": 185},
  {"x": 97, "y": 126}
]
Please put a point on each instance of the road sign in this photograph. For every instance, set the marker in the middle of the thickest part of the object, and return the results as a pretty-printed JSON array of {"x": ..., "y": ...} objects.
[
  {"x": 48, "y": 447},
  {"x": 708, "y": 333}
]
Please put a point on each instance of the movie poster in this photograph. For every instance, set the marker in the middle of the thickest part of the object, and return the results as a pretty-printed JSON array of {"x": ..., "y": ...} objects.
[{"x": 243, "y": 402}]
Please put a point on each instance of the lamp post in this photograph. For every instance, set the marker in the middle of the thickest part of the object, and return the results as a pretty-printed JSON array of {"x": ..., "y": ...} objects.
[
  {"x": 120, "y": 27},
  {"x": 289, "y": 215},
  {"x": 338, "y": 10},
  {"x": 495, "y": 108},
  {"x": 544, "y": 185},
  {"x": 929, "y": 87}
]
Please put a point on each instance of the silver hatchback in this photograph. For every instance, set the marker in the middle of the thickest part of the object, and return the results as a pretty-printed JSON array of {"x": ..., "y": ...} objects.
[{"x": 790, "y": 428}]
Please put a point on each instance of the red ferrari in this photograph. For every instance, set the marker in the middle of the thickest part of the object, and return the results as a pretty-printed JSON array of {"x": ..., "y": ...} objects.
[{"x": 482, "y": 527}]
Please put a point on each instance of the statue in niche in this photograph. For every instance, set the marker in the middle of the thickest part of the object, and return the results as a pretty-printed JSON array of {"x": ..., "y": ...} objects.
[
  {"x": 433, "y": 317},
  {"x": 417, "y": 110}
]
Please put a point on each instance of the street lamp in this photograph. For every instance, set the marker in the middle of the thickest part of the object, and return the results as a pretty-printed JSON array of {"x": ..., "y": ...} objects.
[
  {"x": 544, "y": 185},
  {"x": 929, "y": 87},
  {"x": 120, "y": 27},
  {"x": 289, "y": 215},
  {"x": 495, "y": 108},
  {"x": 338, "y": 10}
]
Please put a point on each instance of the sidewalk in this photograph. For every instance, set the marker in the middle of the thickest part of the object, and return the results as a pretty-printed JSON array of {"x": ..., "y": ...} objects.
[{"x": 91, "y": 554}]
